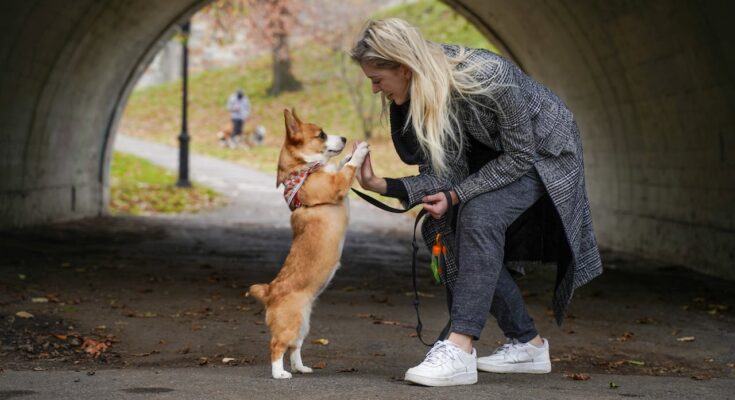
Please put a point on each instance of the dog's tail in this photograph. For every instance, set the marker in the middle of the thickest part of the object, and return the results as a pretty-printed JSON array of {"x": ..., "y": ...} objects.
[{"x": 259, "y": 291}]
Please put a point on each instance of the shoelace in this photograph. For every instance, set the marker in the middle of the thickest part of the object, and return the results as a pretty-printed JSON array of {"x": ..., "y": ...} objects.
[{"x": 440, "y": 353}]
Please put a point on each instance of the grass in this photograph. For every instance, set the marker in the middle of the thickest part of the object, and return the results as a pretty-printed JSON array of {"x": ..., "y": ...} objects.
[
  {"x": 139, "y": 187},
  {"x": 154, "y": 112}
]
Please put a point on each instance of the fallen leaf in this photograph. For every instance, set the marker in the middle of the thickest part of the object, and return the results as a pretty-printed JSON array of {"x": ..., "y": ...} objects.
[
  {"x": 203, "y": 361},
  {"x": 146, "y": 314},
  {"x": 348, "y": 370},
  {"x": 196, "y": 327},
  {"x": 685, "y": 339},
  {"x": 703, "y": 376},
  {"x": 58, "y": 336},
  {"x": 320, "y": 365},
  {"x": 320, "y": 341},
  {"x": 94, "y": 347},
  {"x": 386, "y": 322},
  {"x": 614, "y": 385},
  {"x": 145, "y": 354},
  {"x": 625, "y": 337},
  {"x": 577, "y": 376},
  {"x": 24, "y": 314},
  {"x": 636, "y": 362}
]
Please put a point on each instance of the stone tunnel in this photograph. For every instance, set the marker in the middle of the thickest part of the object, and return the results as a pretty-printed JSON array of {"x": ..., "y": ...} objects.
[{"x": 651, "y": 83}]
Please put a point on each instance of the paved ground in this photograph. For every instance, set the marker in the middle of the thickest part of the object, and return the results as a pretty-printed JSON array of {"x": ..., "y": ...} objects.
[{"x": 164, "y": 295}]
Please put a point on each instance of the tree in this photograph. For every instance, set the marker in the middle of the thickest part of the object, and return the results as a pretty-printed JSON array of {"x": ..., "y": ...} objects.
[
  {"x": 273, "y": 21},
  {"x": 266, "y": 21}
]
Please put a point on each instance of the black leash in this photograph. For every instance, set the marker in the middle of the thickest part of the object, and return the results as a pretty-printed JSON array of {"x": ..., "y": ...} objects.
[{"x": 449, "y": 215}]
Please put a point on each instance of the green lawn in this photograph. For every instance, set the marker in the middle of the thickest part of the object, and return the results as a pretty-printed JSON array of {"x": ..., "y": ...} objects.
[{"x": 139, "y": 187}]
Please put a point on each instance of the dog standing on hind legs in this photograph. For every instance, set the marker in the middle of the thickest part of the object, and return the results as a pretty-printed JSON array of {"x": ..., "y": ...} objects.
[{"x": 316, "y": 192}]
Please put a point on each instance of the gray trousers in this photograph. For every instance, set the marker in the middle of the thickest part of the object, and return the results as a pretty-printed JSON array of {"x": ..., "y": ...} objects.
[{"x": 483, "y": 283}]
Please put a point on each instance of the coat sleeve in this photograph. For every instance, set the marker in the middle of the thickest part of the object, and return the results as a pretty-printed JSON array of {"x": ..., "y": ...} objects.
[
  {"x": 516, "y": 136},
  {"x": 425, "y": 183}
]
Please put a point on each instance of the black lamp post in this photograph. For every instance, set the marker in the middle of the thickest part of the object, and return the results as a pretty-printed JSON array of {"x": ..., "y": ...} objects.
[{"x": 184, "y": 136}]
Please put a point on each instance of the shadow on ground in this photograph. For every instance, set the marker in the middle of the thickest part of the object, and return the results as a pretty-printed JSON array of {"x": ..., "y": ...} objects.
[{"x": 157, "y": 292}]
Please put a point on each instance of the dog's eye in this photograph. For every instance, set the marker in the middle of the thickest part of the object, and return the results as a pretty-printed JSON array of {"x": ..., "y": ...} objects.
[{"x": 322, "y": 135}]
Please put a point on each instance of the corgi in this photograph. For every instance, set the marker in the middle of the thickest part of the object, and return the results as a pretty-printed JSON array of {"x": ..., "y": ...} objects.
[{"x": 316, "y": 192}]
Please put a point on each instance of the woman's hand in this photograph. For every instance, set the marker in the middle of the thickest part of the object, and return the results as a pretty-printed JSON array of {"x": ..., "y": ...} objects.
[
  {"x": 436, "y": 204},
  {"x": 367, "y": 178}
]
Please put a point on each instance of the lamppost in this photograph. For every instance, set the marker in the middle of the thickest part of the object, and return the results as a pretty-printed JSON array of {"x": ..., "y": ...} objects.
[{"x": 184, "y": 136}]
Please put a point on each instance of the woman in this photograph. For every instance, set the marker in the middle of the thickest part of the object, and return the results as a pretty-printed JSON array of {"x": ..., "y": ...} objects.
[{"x": 502, "y": 146}]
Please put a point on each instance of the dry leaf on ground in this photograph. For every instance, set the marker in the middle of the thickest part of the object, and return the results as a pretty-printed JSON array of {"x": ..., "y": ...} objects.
[
  {"x": 24, "y": 314},
  {"x": 577, "y": 376},
  {"x": 94, "y": 347}
]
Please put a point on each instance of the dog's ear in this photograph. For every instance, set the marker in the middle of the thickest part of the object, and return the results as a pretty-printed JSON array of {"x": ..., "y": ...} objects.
[
  {"x": 296, "y": 117},
  {"x": 293, "y": 125}
]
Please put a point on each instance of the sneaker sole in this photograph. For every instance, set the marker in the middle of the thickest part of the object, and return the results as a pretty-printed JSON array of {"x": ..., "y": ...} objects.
[
  {"x": 523, "y": 368},
  {"x": 464, "y": 378}
]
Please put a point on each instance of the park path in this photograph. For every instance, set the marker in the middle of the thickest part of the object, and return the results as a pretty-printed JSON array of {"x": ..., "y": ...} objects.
[{"x": 254, "y": 197}]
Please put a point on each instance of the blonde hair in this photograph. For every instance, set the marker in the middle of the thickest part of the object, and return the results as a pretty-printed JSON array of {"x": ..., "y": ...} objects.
[{"x": 436, "y": 82}]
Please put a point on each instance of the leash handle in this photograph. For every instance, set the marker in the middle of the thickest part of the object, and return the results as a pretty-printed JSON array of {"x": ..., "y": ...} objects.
[{"x": 419, "y": 325}]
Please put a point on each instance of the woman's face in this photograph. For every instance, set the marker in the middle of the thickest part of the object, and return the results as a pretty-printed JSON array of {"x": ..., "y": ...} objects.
[{"x": 393, "y": 82}]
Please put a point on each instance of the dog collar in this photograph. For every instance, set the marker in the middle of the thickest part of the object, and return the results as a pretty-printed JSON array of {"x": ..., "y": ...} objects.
[{"x": 293, "y": 183}]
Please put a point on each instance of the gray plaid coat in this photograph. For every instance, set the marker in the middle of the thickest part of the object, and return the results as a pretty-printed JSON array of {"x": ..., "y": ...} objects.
[{"x": 533, "y": 128}]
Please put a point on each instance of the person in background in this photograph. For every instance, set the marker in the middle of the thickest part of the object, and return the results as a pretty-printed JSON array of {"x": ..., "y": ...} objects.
[{"x": 239, "y": 107}]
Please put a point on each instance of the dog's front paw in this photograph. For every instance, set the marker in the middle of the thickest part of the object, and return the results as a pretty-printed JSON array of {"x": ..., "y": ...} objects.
[
  {"x": 282, "y": 375},
  {"x": 303, "y": 369},
  {"x": 358, "y": 156},
  {"x": 345, "y": 160}
]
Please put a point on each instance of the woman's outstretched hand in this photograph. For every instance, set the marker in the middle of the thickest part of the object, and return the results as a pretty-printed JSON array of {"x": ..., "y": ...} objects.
[
  {"x": 436, "y": 204},
  {"x": 367, "y": 178}
]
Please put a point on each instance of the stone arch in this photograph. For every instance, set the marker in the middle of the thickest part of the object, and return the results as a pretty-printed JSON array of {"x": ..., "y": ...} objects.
[{"x": 652, "y": 85}]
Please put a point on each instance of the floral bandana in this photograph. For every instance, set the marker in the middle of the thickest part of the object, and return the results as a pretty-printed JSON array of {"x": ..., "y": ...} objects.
[{"x": 293, "y": 183}]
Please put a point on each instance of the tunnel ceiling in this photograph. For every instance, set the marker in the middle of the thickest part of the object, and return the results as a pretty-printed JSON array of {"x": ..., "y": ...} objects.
[{"x": 651, "y": 85}]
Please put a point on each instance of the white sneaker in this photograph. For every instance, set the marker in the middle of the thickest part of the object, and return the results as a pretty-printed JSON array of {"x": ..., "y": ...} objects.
[
  {"x": 445, "y": 365},
  {"x": 517, "y": 357}
]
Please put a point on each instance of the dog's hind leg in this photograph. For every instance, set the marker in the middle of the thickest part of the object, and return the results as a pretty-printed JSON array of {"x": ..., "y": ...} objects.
[
  {"x": 296, "y": 363},
  {"x": 285, "y": 323},
  {"x": 277, "y": 352}
]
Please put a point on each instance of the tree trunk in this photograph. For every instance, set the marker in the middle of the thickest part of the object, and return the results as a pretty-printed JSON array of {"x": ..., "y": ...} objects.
[{"x": 283, "y": 79}]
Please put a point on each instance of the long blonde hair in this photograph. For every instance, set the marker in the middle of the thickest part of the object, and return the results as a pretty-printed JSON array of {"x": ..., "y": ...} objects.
[{"x": 435, "y": 84}]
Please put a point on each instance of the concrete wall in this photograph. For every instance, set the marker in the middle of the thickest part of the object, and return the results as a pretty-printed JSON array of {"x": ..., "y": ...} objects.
[
  {"x": 651, "y": 83},
  {"x": 65, "y": 71}
]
